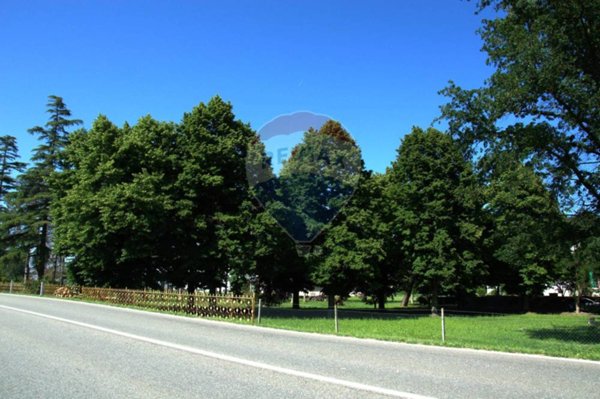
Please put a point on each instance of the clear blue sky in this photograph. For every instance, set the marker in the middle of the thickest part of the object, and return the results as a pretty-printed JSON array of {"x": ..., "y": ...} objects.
[{"x": 376, "y": 66}]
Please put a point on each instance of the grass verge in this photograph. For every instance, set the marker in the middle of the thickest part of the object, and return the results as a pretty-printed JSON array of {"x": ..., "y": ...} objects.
[{"x": 563, "y": 335}]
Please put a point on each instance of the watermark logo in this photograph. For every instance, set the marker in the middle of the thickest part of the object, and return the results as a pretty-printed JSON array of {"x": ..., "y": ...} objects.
[{"x": 303, "y": 185}]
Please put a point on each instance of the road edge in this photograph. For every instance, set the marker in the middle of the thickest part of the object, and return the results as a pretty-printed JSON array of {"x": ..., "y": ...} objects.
[{"x": 372, "y": 341}]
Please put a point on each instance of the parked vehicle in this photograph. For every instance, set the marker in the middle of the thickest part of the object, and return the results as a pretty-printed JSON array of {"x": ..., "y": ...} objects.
[{"x": 590, "y": 305}]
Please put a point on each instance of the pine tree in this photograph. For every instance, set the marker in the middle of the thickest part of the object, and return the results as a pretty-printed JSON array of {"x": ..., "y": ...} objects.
[
  {"x": 10, "y": 260},
  {"x": 54, "y": 135},
  {"x": 36, "y": 196},
  {"x": 9, "y": 153}
]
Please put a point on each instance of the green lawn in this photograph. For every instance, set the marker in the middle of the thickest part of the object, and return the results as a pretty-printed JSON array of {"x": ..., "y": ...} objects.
[{"x": 555, "y": 335}]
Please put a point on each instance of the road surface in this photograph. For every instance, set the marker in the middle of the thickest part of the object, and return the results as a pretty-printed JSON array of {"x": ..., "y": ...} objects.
[{"x": 51, "y": 348}]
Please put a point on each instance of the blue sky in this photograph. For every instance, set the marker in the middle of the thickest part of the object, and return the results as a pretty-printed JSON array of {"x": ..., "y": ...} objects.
[{"x": 376, "y": 66}]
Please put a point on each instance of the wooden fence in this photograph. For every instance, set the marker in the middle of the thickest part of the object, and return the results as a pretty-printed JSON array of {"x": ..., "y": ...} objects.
[
  {"x": 226, "y": 307},
  {"x": 215, "y": 306},
  {"x": 32, "y": 287}
]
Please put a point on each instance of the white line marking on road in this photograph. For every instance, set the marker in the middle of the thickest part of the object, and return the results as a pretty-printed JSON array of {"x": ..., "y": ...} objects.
[
  {"x": 324, "y": 336},
  {"x": 232, "y": 359}
]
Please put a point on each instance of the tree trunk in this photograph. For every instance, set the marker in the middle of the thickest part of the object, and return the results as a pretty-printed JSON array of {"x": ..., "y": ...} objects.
[
  {"x": 191, "y": 287},
  {"x": 434, "y": 296},
  {"x": 41, "y": 252},
  {"x": 381, "y": 301},
  {"x": 577, "y": 294},
  {"x": 55, "y": 267},
  {"x": 407, "y": 294},
  {"x": 26, "y": 274},
  {"x": 526, "y": 303},
  {"x": 212, "y": 289},
  {"x": 296, "y": 299},
  {"x": 330, "y": 301},
  {"x": 62, "y": 270}
]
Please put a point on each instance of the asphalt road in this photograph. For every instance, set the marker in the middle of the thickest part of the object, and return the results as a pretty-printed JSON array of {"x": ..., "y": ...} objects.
[{"x": 59, "y": 349}]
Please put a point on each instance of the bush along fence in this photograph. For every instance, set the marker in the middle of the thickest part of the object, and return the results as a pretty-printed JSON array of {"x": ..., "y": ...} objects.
[{"x": 197, "y": 304}]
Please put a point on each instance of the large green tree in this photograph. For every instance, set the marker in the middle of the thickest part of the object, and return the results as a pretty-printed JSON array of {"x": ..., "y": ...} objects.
[
  {"x": 278, "y": 267},
  {"x": 159, "y": 202},
  {"x": 436, "y": 203},
  {"x": 210, "y": 190},
  {"x": 353, "y": 249},
  {"x": 524, "y": 243},
  {"x": 580, "y": 263},
  {"x": 115, "y": 213},
  {"x": 543, "y": 99},
  {"x": 313, "y": 187},
  {"x": 318, "y": 180}
]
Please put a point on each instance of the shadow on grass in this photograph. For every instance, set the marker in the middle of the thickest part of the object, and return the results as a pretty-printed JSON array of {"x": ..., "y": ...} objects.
[
  {"x": 279, "y": 313},
  {"x": 589, "y": 335},
  {"x": 311, "y": 313}
]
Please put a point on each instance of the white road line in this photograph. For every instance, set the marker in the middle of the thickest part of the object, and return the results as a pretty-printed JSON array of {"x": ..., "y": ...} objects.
[
  {"x": 232, "y": 359},
  {"x": 362, "y": 341},
  {"x": 324, "y": 336}
]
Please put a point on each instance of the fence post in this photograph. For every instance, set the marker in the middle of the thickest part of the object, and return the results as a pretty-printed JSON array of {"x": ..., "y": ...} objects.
[
  {"x": 443, "y": 326},
  {"x": 10, "y": 287},
  {"x": 335, "y": 317},
  {"x": 42, "y": 288},
  {"x": 259, "y": 310}
]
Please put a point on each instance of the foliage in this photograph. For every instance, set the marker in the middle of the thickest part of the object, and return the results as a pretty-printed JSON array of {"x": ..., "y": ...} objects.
[
  {"x": 210, "y": 189},
  {"x": 113, "y": 216},
  {"x": 582, "y": 235},
  {"x": 525, "y": 237},
  {"x": 317, "y": 181},
  {"x": 11, "y": 259},
  {"x": 314, "y": 188},
  {"x": 9, "y": 165},
  {"x": 542, "y": 100},
  {"x": 352, "y": 256},
  {"x": 168, "y": 204},
  {"x": 436, "y": 202},
  {"x": 157, "y": 201}
]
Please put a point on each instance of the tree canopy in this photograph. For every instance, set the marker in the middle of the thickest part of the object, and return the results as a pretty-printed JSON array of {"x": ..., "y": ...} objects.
[
  {"x": 546, "y": 84},
  {"x": 507, "y": 198}
]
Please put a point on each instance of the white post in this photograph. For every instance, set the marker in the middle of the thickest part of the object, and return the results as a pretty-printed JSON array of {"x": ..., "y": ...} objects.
[
  {"x": 335, "y": 316},
  {"x": 10, "y": 287},
  {"x": 443, "y": 326},
  {"x": 259, "y": 309},
  {"x": 42, "y": 288}
]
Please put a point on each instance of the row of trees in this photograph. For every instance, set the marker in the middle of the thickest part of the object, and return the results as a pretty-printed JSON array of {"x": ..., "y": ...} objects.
[{"x": 512, "y": 206}]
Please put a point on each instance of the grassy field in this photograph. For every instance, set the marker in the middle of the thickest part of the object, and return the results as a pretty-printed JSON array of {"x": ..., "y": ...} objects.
[{"x": 555, "y": 335}]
